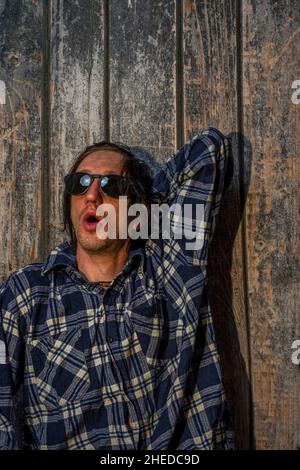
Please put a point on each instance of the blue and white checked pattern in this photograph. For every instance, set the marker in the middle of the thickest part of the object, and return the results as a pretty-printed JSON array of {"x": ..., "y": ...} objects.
[{"x": 133, "y": 366}]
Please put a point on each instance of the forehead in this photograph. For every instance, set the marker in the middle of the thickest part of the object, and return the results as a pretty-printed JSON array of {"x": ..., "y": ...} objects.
[{"x": 102, "y": 161}]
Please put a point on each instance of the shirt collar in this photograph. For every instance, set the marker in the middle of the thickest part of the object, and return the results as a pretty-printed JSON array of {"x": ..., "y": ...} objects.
[{"x": 64, "y": 255}]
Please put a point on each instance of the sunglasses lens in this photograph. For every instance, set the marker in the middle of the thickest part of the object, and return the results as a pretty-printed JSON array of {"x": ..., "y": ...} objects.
[
  {"x": 85, "y": 181},
  {"x": 77, "y": 183},
  {"x": 113, "y": 185}
]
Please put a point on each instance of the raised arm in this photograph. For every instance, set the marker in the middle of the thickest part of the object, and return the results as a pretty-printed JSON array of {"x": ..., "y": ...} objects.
[{"x": 193, "y": 179}]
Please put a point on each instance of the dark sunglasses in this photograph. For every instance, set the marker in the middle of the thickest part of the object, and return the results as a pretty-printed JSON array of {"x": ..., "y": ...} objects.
[{"x": 111, "y": 185}]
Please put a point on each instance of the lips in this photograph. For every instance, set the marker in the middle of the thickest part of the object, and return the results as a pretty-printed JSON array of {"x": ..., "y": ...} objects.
[{"x": 90, "y": 221}]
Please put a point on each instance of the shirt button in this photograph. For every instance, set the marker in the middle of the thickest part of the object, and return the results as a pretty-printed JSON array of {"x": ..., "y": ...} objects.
[{"x": 110, "y": 339}]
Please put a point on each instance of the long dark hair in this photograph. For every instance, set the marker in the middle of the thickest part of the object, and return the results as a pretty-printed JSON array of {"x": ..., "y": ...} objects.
[{"x": 134, "y": 168}]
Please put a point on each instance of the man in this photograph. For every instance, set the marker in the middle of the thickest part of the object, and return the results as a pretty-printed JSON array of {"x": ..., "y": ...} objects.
[{"x": 110, "y": 344}]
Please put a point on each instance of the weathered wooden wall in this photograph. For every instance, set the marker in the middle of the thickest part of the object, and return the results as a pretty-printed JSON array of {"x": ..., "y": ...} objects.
[{"x": 152, "y": 73}]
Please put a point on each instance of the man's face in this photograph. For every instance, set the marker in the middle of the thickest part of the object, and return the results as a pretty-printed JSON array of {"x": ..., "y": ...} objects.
[{"x": 101, "y": 162}]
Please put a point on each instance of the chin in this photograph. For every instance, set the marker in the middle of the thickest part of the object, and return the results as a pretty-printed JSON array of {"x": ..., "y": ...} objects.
[{"x": 91, "y": 242}]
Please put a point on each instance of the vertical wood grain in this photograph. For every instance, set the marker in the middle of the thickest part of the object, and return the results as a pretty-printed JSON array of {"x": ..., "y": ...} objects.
[
  {"x": 143, "y": 75},
  {"x": 21, "y": 38},
  {"x": 271, "y": 62},
  {"x": 211, "y": 86},
  {"x": 76, "y": 108}
]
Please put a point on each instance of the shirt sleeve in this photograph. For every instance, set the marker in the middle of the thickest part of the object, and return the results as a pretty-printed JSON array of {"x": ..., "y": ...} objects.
[
  {"x": 192, "y": 183},
  {"x": 11, "y": 366}
]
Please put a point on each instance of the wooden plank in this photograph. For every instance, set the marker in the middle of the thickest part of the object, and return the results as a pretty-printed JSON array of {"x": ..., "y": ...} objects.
[
  {"x": 271, "y": 44},
  {"x": 143, "y": 112},
  {"x": 21, "y": 36},
  {"x": 143, "y": 75},
  {"x": 210, "y": 55},
  {"x": 77, "y": 68}
]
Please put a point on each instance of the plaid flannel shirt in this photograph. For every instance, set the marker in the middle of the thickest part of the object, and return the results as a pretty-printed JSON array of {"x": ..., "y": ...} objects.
[{"x": 133, "y": 366}]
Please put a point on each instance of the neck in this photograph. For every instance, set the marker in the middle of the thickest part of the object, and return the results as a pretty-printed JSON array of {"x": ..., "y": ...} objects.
[{"x": 101, "y": 266}]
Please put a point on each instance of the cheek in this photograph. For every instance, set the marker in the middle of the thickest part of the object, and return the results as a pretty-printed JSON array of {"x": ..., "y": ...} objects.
[{"x": 74, "y": 211}]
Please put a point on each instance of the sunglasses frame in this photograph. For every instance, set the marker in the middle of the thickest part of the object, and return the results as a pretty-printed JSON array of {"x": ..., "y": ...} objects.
[{"x": 93, "y": 177}]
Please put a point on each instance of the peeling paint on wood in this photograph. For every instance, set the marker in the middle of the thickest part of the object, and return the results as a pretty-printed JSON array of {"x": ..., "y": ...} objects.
[
  {"x": 76, "y": 92},
  {"x": 271, "y": 59},
  {"x": 20, "y": 130},
  {"x": 142, "y": 71}
]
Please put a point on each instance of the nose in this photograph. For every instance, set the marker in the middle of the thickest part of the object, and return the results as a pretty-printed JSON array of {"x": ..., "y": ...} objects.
[{"x": 94, "y": 194}]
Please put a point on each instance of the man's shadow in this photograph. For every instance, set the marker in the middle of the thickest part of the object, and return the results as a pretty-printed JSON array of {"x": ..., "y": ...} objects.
[{"x": 221, "y": 273}]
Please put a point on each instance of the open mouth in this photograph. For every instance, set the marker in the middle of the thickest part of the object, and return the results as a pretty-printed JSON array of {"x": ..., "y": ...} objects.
[
  {"x": 91, "y": 219},
  {"x": 90, "y": 222}
]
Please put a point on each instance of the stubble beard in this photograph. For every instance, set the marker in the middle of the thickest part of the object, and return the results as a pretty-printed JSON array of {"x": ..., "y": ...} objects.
[{"x": 91, "y": 243}]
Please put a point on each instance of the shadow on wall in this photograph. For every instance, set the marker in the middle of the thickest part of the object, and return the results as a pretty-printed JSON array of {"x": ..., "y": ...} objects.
[
  {"x": 220, "y": 286},
  {"x": 220, "y": 292},
  {"x": 144, "y": 155}
]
